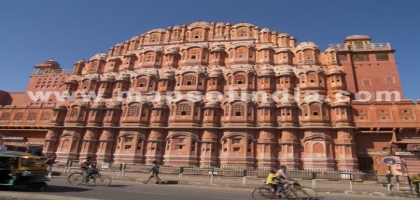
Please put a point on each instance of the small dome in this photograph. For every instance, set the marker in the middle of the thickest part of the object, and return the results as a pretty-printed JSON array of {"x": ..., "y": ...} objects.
[
  {"x": 283, "y": 50},
  {"x": 283, "y": 35},
  {"x": 335, "y": 70},
  {"x": 99, "y": 56},
  {"x": 358, "y": 37},
  {"x": 307, "y": 45},
  {"x": 168, "y": 74},
  {"x": 215, "y": 72},
  {"x": 287, "y": 102},
  {"x": 212, "y": 103},
  {"x": 265, "y": 30},
  {"x": 265, "y": 47},
  {"x": 331, "y": 49},
  {"x": 266, "y": 104},
  {"x": 99, "y": 104},
  {"x": 48, "y": 64},
  {"x": 177, "y": 27},
  {"x": 218, "y": 47},
  {"x": 172, "y": 50},
  {"x": 220, "y": 24},
  {"x": 60, "y": 106},
  {"x": 80, "y": 62},
  {"x": 266, "y": 71},
  {"x": 286, "y": 70}
]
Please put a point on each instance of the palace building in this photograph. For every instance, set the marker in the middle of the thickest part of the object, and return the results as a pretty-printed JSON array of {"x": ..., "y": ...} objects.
[{"x": 222, "y": 95}]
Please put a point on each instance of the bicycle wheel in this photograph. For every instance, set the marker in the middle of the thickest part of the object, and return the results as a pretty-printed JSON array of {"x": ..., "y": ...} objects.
[
  {"x": 263, "y": 192},
  {"x": 75, "y": 178},
  {"x": 102, "y": 180},
  {"x": 300, "y": 195},
  {"x": 311, "y": 192}
]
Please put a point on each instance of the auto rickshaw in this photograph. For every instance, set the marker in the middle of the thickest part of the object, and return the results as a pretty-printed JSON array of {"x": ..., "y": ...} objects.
[{"x": 19, "y": 169}]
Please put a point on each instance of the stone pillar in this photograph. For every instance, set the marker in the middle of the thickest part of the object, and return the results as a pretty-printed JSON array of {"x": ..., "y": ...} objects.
[
  {"x": 346, "y": 150},
  {"x": 51, "y": 141},
  {"x": 209, "y": 148},
  {"x": 266, "y": 149},
  {"x": 289, "y": 149},
  {"x": 89, "y": 143},
  {"x": 154, "y": 147},
  {"x": 105, "y": 144}
]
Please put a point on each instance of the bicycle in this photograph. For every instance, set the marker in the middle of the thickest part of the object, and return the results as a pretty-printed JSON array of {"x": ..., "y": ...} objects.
[
  {"x": 76, "y": 178},
  {"x": 293, "y": 191}
]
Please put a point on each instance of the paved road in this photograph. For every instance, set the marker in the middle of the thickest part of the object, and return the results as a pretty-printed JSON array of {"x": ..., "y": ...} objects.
[{"x": 135, "y": 191}]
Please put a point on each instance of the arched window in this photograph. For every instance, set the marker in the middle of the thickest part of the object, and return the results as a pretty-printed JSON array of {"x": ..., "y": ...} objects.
[
  {"x": 238, "y": 110},
  {"x": 153, "y": 38},
  {"x": 189, "y": 80},
  {"x": 193, "y": 54},
  {"x": 315, "y": 110},
  {"x": 142, "y": 82},
  {"x": 74, "y": 112},
  {"x": 196, "y": 35},
  {"x": 241, "y": 53},
  {"x": 239, "y": 79},
  {"x": 133, "y": 111},
  {"x": 183, "y": 109},
  {"x": 148, "y": 58},
  {"x": 242, "y": 33}
]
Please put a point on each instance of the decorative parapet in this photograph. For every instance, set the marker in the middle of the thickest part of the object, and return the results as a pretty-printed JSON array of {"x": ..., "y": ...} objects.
[{"x": 364, "y": 47}]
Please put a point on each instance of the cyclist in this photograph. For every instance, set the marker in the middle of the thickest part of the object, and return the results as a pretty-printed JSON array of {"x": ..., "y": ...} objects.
[
  {"x": 87, "y": 169},
  {"x": 272, "y": 180},
  {"x": 284, "y": 178}
]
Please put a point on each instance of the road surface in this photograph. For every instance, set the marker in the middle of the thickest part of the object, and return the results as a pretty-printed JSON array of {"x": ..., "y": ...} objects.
[{"x": 133, "y": 191}]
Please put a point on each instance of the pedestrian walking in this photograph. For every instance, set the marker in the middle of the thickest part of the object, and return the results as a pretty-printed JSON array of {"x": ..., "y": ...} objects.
[
  {"x": 50, "y": 162},
  {"x": 154, "y": 172}
]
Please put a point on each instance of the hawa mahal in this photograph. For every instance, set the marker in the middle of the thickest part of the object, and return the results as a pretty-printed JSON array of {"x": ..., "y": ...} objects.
[{"x": 373, "y": 121}]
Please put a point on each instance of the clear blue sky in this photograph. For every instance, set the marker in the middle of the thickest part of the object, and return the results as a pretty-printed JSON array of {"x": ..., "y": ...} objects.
[{"x": 34, "y": 31}]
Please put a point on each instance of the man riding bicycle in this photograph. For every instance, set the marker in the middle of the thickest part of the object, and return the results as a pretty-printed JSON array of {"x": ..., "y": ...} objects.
[
  {"x": 284, "y": 179},
  {"x": 87, "y": 169}
]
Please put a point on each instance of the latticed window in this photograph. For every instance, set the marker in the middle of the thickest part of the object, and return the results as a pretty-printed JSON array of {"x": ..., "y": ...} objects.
[
  {"x": 241, "y": 53},
  {"x": 153, "y": 38},
  {"x": 196, "y": 35},
  {"x": 315, "y": 110},
  {"x": 183, "y": 109},
  {"x": 18, "y": 116},
  {"x": 194, "y": 54},
  {"x": 149, "y": 58},
  {"x": 189, "y": 80},
  {"x": 242, "y": 33},
  {"x": 238, "y": 110},
  {"x": 5, "y": 116},
  {"x": 133, "y": 111},
  {"x": 142, "y": 82},
  {"x": 406, "y": 114},
  {"x": 239, "y": 79},
  {"x": 74, "y": 112},
  {"x": 45, "y": 116},
  {"x": 31, "y": 116}
]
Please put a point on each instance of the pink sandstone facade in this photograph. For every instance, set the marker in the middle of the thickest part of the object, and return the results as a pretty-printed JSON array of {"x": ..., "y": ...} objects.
[{"x": 246, "y": 132}]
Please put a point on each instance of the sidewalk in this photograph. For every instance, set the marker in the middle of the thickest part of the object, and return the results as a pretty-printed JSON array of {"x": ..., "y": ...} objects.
[
  {"x": 322, "y": 186},
  {"x": 6, "y": 195}
]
